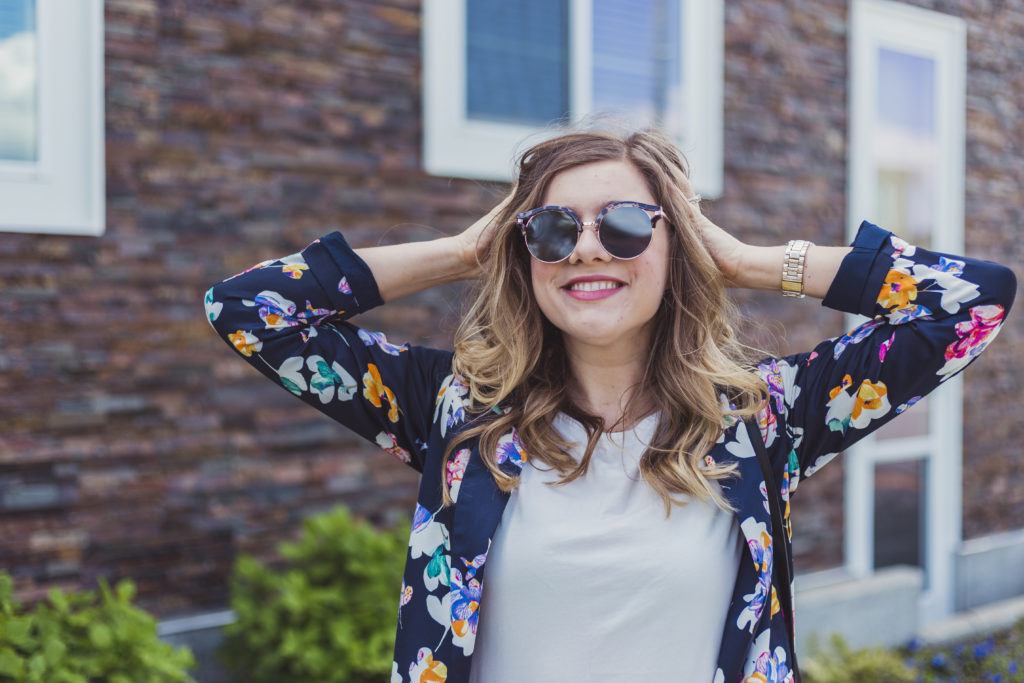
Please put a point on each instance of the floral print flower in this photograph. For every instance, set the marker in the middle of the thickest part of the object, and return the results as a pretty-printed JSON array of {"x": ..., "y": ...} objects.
[
  {"x": 974, "y": 335},
  {"x": 510, "y": 450},
  {"x": 294, "y": 271},
  {"x": 454, "y": 469},
  {"x": 898, "y": 290},
  {"x": 213, "y": 308},
  {"x": 377, "y": 393},
  {"x": 759, "y": 542},
  {"x": 328, "y": 378},
  {"x": 869, "y": 401},
  {"x": 343, "y": 286},
  {"x": 426, "y": 669},
  {"x": 371, "y": 338},
  {"x": 389, "y": 442},
  {"x": 450, "y": 406},
  {"x": 245, "y": 343},
  {"x": 855, "y": 336}
]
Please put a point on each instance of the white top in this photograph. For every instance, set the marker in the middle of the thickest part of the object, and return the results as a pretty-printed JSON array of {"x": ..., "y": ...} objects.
[{"x": 588, "y": 581}]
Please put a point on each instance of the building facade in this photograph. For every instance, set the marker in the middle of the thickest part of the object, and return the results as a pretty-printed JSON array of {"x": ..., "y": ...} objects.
[{"x": 210, "y": 136}]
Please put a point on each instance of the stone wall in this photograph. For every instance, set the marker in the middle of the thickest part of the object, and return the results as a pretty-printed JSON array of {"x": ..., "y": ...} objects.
[{"x": 136, "y": 444}]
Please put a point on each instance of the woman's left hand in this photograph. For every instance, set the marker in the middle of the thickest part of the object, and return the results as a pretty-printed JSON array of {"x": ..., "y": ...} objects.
[{"x": 725, "y": 249}]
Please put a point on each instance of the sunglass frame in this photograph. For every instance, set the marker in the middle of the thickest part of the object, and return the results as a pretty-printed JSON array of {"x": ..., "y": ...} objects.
[{"x": 653, "y": 211}]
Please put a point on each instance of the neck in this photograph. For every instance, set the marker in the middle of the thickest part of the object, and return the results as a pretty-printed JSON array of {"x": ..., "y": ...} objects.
[{"x": 606, "y": 380}]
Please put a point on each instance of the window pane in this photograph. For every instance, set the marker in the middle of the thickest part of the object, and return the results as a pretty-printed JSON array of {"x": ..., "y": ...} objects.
[
  {"x": 899, "y": 513},
  {"x": 817, "y": 515},
  {"x": 18, "y": 77},
  {"x": 913, "y": 421},
  {"x": 517, "y": 60},
  {"x": 637, "y": 67},
  {"x": 906, "y": 148}
]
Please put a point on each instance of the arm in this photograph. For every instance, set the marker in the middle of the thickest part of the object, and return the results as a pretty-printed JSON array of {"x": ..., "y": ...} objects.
[
  {"x": 930, "y": 315},
  {"x": 403, "y": 269},
  {"x": 288, "y": 317}
]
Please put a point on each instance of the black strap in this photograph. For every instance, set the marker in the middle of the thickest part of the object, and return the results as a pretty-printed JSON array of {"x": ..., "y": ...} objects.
[{"x": 780, "y": 558}]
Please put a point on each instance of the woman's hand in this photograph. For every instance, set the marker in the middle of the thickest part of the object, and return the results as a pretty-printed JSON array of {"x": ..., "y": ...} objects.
[
  {"x": 474, "y": 240},
  {"x": 726, "y": 250}
]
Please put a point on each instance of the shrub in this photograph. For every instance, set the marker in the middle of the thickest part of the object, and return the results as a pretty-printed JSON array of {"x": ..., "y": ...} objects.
[
  {"x": 75, "y": 639},
  {"x": 841, "y": 664},
  {"x": 327, "y": 616}
]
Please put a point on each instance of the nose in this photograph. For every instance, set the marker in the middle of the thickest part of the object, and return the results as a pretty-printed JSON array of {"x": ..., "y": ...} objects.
[{"x": 588, "y": 246}]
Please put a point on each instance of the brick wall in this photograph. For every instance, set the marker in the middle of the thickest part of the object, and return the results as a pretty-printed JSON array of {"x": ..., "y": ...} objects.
[{"x": 135, "y": 444}]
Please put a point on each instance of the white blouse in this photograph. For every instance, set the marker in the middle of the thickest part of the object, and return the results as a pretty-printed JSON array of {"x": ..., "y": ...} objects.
[{"x": 588, "y": 581}]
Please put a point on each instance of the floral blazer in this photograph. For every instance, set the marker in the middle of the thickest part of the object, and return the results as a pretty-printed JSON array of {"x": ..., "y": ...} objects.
[{"x": 929, "y": 314}]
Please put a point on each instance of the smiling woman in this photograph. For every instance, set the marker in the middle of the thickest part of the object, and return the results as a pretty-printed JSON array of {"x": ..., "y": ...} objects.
[
  {"x": 18, "y": 81},
  {"x": 594, "y": 444}
]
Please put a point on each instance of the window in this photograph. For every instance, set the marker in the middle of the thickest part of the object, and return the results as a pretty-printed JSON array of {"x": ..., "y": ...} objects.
[
  {"x": 51, "y": 117},
  {"x": 907, "y": 99},
  {"x": 497, "y": 75}
]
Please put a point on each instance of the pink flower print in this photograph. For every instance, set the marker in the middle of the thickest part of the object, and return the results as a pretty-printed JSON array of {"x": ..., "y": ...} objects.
[
  {"x": 343, "y": 286},
  {"x": 974, "y": 335},
  {"x": 884, "y": 348},
  {"x": 389, "y": 442},
  {"x": 454, "y": 470}
]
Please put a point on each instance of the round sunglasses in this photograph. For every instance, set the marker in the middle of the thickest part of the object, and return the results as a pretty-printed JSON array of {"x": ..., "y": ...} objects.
[{"x": 623, "y": 228}]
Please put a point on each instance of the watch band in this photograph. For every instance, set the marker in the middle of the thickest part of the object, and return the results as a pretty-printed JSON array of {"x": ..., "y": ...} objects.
[{"x": 793, "y": 268}]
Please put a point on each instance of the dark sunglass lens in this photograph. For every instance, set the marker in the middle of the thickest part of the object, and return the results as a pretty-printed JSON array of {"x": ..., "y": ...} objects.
[
  {"x": 626, "y": 231},
  {"x": 551, "y": 235}
]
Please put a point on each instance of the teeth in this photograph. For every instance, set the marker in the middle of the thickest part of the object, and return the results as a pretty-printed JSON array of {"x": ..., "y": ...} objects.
[{"x": 594, "y": 286}]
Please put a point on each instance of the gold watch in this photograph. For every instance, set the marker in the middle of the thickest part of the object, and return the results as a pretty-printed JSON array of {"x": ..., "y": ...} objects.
[{"x": 793, "y": 268}]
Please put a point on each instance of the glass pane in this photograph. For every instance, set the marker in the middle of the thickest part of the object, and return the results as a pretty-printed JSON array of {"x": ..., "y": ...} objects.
[
  {"x": 906, "y": 148},
  {"x": 899, "y": 513},
  {"x": 517, "y": 63},
  {"x": 817, "y": 516},
  {"x": 637, "y": 66},
  {"x": 18, "y": 81}
]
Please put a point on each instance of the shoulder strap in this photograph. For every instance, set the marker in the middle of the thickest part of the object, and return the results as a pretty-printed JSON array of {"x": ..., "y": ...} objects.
[{"x": 780, "y": 558}]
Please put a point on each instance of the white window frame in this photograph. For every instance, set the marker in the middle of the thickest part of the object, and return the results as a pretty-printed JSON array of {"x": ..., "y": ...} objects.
[
  {"x": 63, "y": 191},
  {"x": 454, "y": 145},
  {"x": 883, "y": 24}
]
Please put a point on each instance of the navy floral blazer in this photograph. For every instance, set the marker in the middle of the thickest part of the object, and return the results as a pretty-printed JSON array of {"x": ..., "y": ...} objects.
[{"x": 930, "y": 315}]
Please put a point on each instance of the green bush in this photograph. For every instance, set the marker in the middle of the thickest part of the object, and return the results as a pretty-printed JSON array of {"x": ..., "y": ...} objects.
[
  {"x": 75, "y": 639},
  {"x": 841, "y": 664},
  {"x": 328, "y": 616}
]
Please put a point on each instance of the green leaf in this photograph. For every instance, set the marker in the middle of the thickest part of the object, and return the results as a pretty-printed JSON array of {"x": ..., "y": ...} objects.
[
  {"x": 11, "y": 664},
  {"x": 291, "y": 386},
  {"x": 100, "y": 636}
]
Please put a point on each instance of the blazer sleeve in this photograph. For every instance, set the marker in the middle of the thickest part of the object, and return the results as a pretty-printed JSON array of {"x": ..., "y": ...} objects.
[
  {"x": 930, "y": 315},
  {"x": 288, "y": 318}
]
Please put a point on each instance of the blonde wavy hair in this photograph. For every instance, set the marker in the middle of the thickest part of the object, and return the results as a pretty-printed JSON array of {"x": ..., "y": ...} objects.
[{"x": 695, "y": 372}]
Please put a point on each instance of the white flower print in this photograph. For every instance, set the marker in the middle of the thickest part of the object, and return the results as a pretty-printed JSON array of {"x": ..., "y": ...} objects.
[
  {"x": 451, "y": 403},
  {"x": 291, "y": 375},
  {"x": 326, "y": 378},
  {"x": 427, "y": 534},
  {"x": 213, "y": 308}
]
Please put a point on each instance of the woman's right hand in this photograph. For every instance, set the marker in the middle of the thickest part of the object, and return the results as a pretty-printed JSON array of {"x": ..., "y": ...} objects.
[{"x": 474, "y": 240}]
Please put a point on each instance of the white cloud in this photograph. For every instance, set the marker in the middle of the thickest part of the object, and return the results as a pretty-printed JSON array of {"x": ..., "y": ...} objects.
[{"x": 18, "y": 80}]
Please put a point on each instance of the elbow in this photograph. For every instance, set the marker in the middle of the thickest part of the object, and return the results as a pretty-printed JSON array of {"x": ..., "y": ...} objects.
[
  {"x": 1003, "y": 286},
  {"x": 212, "y": 306}
]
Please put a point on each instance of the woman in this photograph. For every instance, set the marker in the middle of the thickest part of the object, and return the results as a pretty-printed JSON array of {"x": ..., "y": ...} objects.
[{"x": 584, "y": 447}]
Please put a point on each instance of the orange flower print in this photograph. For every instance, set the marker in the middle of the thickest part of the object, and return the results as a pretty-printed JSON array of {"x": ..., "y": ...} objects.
[
  {"x": 426, "y": 669},
  {"x": 870, "y": 396},
  {"x": 868, "y": 401},
  {"x": 294, "y": 270},
  {"x": 898, "y": 290},
  {"x": 245, "y": 342},
  {"x": 376, "y": 392}
]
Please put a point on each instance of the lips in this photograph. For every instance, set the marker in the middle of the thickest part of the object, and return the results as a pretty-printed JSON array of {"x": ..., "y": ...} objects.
[{"x": 592, "y": 287}]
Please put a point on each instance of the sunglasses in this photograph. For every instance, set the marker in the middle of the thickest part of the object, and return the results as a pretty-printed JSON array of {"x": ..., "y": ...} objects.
[{"x": 623, "y": 228}]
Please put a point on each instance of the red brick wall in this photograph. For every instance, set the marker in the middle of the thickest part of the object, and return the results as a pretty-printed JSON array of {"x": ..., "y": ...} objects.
[{"x": 135, "y": 444}]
